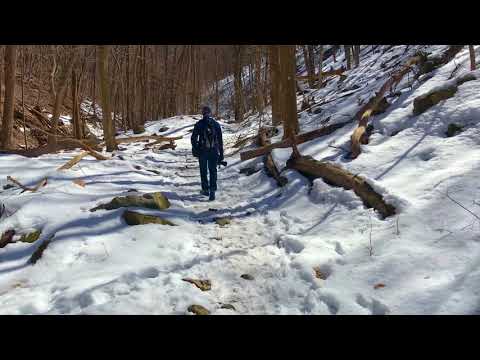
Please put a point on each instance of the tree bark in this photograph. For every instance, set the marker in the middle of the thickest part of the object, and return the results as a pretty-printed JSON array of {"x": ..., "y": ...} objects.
[
  {"x": 9, "y": 102},
  {"x": 76, "y": 120},
  {"x": 60, "y": 95},
  {"x": 275, "y": 84},
  {"x": 473, "y": 65},
  {"x": 108, "y": 127},
  {"x": 320, "y": 68},
  {"x": 289, "y": 93},
  {"x": 238, "y": 100},
  {"x": 348, "y": 57}
]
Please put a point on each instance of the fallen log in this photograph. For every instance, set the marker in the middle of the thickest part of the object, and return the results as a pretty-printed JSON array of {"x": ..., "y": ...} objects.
[
  {"x": 42, "y": 183},
  {"x": 425, "y": 65},
  {"x": 359, "y": 135},
  {"x": 74, "y": 161},
  {"x": 157, "y": 138},
  {"x": 299, "y": 139},
  {"x": 336, "y": 176},
  {"x": 270, "y": 167}
]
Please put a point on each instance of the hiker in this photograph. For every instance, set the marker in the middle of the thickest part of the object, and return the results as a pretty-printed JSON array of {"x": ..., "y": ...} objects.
[{"x": 207, "y": 146}]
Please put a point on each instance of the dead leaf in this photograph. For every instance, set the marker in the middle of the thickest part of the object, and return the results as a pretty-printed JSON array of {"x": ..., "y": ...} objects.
[
  {"x": 319, "y": 274},
  {"x": 79, "y": 182},
  {"x": 379, "y": 285}
]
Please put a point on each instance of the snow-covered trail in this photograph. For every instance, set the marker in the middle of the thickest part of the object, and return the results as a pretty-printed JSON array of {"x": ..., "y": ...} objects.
[{"x": 97, "y": 264}]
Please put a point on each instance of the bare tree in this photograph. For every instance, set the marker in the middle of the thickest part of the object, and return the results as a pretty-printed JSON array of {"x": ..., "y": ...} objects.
[
  {"x": 108, "y": 127},
  {"x": 275, "y": 84},
  {"x": 288, "y": 94},
  {"x": 9, "y": 102},
  {"x": 348, "y": 57},
  {"x": 473, "y": 65},
  {"x": 238, "y": 87}
]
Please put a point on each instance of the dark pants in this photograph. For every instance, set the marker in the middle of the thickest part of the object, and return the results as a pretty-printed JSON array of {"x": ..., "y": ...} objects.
[{"x": 208, "y": 163}]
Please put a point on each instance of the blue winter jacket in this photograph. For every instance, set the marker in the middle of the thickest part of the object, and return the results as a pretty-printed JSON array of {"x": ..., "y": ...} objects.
[{"x": 197, "y": 143}]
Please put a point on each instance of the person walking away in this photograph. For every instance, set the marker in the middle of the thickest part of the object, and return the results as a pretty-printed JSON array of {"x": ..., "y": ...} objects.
[{"x": 207, "y": 146}]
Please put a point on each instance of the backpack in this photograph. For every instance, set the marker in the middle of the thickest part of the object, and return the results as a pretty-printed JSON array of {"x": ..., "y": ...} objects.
[{"x": 209, "y": 135}]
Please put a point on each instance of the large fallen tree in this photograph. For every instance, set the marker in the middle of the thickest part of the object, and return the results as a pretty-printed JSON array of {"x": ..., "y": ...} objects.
[
  {"x": 334, "y": 175},
  {"x": 269, "y": 164}
]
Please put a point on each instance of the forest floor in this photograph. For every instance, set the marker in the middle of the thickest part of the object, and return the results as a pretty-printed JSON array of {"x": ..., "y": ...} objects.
[{"x": 309, "y": 248}]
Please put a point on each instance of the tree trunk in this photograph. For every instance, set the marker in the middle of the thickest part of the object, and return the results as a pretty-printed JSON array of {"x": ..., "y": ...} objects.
[
  {"x": 108, "y": 128},
  {"x": 23, "y": 100},
  {"x": 9, "y": 102},
  {"x": 258, "y": 79},
  {"x": 238, "y": 98},
  {"x": 309, "y": 64},
  {"x": 76, "y": 121},
  {"x": 60, "y": 95},
  {"x": 320, "y": 67},
  {"x": 356, "y": 55},
  {"x": 275, "y": 84},
  {"x": 473, "y": 65},
  {"x": 348, "y": 57},
  {"x": 289, "y": 94}
]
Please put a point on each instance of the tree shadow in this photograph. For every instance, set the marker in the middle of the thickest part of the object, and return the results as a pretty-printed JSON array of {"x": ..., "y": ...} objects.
[
  {"x": 322, "y": 219},
  {"x": 402, "y": 157}
]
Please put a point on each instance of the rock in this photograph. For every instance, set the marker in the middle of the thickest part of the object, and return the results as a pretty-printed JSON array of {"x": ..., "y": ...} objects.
[
  {"x": 7, "y": 238},
  {"x": 133, "y": 218},
  {"x": 8, "y": 186},
  {"x": 163, "y": 129},
  {"x": 223, "y": 221},
  {"x": 247, "y": 277},
  {"x": 381, "y": 107},
  {"x": 453, "y": 129},
  {"x": 156, "y": 201},
  {"x": 203, "y": 285},
  {"x": 198, "y": 310},
  {"x": 228, "y": 307},
  {"x": 37, "y": 254},
  {"x": 426, "y": 101},
  {"x": 31, "y": 237}
]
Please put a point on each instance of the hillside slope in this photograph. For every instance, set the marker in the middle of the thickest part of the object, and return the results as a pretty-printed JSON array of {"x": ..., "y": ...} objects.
[{"x": 310, "y": 248}]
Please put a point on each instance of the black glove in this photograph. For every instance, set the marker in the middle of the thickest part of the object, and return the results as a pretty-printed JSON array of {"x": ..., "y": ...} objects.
[{"x": 195, "y": 152}]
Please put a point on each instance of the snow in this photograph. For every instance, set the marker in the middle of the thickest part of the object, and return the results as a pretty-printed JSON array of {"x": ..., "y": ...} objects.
[{"x": 427, "y": 256}]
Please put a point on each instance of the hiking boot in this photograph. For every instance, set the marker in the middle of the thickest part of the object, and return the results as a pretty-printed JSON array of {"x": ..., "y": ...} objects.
[
  {"x": 205, "y": 193},
  {"x": 212, "y": 196}
]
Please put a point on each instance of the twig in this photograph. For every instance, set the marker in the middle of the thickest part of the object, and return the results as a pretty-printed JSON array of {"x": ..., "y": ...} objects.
[
  {"x": 25, "y": 188},
  {"x": 339, "y": 147},
  {"x": 370, "y": 248},
  {"x": 463, "y": 207}
]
